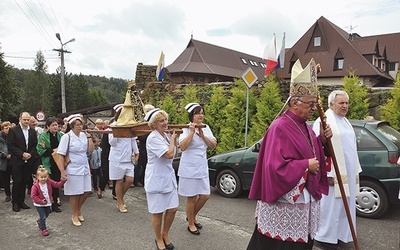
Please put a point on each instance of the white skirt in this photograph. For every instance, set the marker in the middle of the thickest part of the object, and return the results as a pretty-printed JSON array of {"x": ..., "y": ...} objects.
[
  {"x": 190, "y": 187},
  {"x": 160, "y": 202},
  {"x": 119, "y": 170},
  {"x": 77, "y": 184}
]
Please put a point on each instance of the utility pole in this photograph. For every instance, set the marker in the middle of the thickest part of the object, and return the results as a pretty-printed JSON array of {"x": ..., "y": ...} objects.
[{"x": 62, "y": 51}]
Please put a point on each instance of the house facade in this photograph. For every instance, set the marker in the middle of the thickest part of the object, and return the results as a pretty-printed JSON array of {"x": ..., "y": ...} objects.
[{"x": 374, "y": 59}]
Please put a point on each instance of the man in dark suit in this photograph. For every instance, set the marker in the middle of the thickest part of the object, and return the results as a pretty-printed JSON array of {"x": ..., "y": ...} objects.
[{"x": 22, "y": 142}]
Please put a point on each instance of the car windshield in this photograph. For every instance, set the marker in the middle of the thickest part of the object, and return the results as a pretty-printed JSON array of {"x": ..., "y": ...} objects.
[{"x": 390, "y": 133}]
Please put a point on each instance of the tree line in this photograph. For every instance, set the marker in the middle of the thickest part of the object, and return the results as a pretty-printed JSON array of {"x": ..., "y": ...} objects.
[{"x": 36, "y": 90}]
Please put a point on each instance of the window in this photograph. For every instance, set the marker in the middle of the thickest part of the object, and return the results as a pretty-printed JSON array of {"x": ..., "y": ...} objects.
[
  {"x": 263, "y": 65},
  {"x": 317, "y": 41},
  {"x": 392, "y": 66},
  {"x": 339, "y": 64},
  {"x": 367, "y": 141},
  {"x": 244, "y": 61}
]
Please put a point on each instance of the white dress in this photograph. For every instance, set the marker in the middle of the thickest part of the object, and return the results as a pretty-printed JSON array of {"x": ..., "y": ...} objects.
[
  {"x": 193, "y": 166},
  {"x": 120, "y": 156},
  {"x": 160, "y": 181},
  {"x": 334, "y": 225},
  {"x": 78, "y": 170}
]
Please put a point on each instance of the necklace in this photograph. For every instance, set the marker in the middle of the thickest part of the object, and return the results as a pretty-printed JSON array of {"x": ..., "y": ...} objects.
[{"x": 309, "y": 142}]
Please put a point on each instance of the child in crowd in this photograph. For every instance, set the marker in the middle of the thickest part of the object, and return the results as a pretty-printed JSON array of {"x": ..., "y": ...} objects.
[
  {"x": 95, "y": 163},
  {"x": 42, "y": 198}
]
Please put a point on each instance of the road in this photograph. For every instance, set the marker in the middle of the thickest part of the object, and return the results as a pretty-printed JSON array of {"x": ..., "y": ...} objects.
[{"x": 227, "y": 224}]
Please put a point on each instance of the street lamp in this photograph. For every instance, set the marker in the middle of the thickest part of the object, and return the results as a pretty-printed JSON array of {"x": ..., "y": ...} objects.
[{"x": 62, "y": 51}]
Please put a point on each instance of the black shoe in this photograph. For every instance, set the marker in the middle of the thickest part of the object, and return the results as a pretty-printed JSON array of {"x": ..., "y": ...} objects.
[
  {"x": 15, "y": 208},
  {"x": 158, "y": 247},
  {"x": 195, "y": 232},
  {"x": 198, "y": 225},
  {"x": 327, "y": 246},
  {"x": 24, "y": 206},
  {"x": 55, "y": 208},
  {"x": 169, "y": 246}
]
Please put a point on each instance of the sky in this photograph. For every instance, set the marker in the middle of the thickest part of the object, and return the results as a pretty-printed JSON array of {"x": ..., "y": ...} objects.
[{"x": 112, "y": 37}]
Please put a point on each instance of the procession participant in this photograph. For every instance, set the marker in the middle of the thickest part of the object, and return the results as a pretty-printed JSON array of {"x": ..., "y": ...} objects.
[
  {"x": 47, "y": 144},
  {"x": 21, "y": 142},
  {"x": 160, "y": 181},
  {"x": 290, "y": 174},
  {"x": 334, "y": 225},
  {"x": 78, "y": 183},
  {"x": 193, "y": 168}
]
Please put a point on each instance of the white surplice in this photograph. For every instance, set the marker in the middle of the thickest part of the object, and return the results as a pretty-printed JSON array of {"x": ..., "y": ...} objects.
[{"x": 334, "y": 225}]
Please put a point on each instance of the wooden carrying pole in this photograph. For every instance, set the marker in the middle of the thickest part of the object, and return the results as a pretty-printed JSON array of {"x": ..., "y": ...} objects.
[
  {"x": 140, "y": 129},
  {"x": 338, "y": 176}
]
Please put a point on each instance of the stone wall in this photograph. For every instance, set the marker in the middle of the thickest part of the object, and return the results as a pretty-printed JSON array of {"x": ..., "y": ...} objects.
[{"x": 154, "y": 91}]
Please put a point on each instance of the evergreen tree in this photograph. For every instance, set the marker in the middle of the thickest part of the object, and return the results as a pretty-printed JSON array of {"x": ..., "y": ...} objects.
[
  {"x": 97, "y": 98},
  {"x": 268, "y": 105},
  {"x": 55, "y": 92},
  {"x": 43, "y": 82},
  {"x": 215, "y": 113},
  {"x": 233, "y": 131},
  {"x": 169, "y": 106},
  {"x": 358, "y": 97},
  {"x": 77, "y": 92},
  {"x": 391, "y": 111},
  {"x": 9, "y": 92}
]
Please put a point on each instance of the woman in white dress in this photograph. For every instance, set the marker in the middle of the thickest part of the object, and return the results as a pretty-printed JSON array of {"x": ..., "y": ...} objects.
[
  {"x": 160, "y": 181},
  {"x": 193, "y": 168},
  {"x": 120, "y": 163},
  {"x": 78, "y": 183}
]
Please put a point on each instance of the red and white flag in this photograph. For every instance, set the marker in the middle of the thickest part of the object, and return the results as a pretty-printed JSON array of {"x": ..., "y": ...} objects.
[
  {"x": 281, "y": 56},
  {"x": 270, "y": 56}
]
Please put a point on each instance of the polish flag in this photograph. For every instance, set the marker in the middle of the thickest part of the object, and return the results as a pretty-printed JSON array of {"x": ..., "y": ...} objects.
[
  {"x": 281, "y": 56},
  {"x": 270, "y": 56}
]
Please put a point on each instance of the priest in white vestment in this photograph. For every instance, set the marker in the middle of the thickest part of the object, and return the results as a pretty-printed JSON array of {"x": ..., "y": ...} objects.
[{"x": 334, "y": 225}]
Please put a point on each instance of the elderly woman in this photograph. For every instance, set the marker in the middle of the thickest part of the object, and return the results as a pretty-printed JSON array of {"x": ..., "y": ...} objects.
[
  {"x": 47, "y": 144},
  {"x": 78, "y": 186},
  {"x": 160, "y": 182},
  {"x": 193, "y": 168}
]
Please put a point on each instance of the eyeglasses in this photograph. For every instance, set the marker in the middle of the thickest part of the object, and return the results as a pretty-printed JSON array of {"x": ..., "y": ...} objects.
[{"x": 310, "y": 104}]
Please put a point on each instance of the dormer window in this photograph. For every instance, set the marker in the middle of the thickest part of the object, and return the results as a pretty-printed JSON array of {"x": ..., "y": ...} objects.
[
  {"x": 317, "y": 41},
  {"x": 339, "y": 63}
]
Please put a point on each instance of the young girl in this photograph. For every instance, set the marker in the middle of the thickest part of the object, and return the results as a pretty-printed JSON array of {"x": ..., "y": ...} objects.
[{"x": 42, "y": 198}]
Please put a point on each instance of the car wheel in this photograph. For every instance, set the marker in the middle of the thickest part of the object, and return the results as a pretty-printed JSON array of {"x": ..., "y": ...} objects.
[
  {"x": 373, "y": 202},
  {"x": 229, "y": 184}
]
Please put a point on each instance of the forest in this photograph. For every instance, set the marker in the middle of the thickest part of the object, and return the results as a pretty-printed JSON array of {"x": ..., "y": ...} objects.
[{"x": 36, "y": 90}]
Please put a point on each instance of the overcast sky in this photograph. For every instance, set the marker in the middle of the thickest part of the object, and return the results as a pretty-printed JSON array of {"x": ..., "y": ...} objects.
[{"x": 112, "y": 37}]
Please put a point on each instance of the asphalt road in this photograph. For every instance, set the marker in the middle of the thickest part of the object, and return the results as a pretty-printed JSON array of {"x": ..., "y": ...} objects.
[{"x": 227, "y": 224}]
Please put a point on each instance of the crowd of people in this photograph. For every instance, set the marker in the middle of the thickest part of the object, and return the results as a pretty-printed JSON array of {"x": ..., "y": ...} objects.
[
  {"x": 84, "y": 159},
  {"x": 294, "y": 184}
]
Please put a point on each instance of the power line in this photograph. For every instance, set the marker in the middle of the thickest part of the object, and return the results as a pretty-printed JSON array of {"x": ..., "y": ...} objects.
[
  {"x": 55, "y": 17},
  {"x": 46, "y": 16},
  {"x": 36, "y": 27}
]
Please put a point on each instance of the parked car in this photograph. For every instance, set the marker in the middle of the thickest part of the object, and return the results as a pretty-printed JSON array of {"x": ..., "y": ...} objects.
[{"x": 378, "y": 147}]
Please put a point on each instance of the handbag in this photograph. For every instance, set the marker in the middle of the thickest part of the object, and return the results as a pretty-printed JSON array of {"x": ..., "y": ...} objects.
[{"x": 67, "y": 160}]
